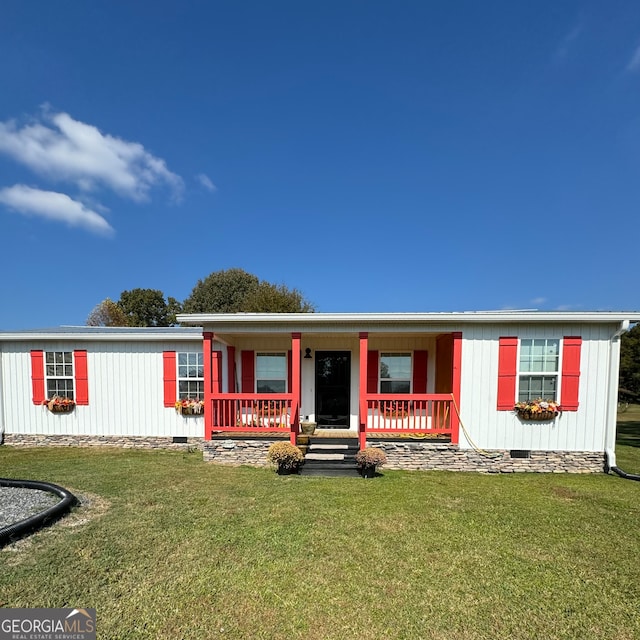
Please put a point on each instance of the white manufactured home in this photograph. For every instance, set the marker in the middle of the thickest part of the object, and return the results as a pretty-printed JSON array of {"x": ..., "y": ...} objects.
[{"x": 435, "y": 390}]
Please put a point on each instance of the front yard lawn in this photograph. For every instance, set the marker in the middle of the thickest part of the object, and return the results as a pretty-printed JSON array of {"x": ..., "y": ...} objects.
[{"x": 175, "y": 548}]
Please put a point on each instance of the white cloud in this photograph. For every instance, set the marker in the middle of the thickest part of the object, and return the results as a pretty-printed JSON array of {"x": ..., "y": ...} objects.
[
  {"x": 64, "y": 149},
  {"x": 205, "y": 181},
  {"x": 53, "y": 206},
  {"x": 569, "y": 40},
  {"x": 538, "y": 301},
  {"x": 634, "y": 63}
]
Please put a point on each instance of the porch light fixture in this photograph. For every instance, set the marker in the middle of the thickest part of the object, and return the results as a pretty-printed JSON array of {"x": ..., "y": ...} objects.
[{"x": 307, "y": 354}]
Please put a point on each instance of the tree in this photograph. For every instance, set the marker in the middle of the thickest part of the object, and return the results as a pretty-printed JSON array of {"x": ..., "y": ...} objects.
[
  {"x": 221, "y": 292},
  {"x": 276, "y": 298},
  {"x": 148, "y": 308},
  {"x": 235, "y": 290},
  {"x": 630, "y": 365},
  {"x": 107, "y": 314}
]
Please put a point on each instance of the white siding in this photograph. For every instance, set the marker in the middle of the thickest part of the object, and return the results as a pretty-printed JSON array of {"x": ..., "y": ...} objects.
[
  {"x": 581, "y": 430},
  {"x": 126, "y": 393},
  {"x": 126, "y": 384}
]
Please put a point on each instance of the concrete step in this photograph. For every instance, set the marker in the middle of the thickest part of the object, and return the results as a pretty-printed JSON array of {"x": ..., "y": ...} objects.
[
  {"x": 331, "y": 456},
  {"x": 316, "y": 446},
  {"x": 350, "y": 464},
  {"x": 327, "y": 455},
  {"x": 341, "y": 472}
]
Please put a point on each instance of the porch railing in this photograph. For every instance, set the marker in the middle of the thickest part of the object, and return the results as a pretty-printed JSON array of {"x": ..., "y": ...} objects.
[
  {"x": 253, "y": 412},
  {"x": 409, "y": 413}
]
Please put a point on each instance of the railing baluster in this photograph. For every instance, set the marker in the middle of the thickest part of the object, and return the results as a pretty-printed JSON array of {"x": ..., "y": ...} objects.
[
  {"x": 237, "y": 412},
  {"x": 405, "y": 413}
]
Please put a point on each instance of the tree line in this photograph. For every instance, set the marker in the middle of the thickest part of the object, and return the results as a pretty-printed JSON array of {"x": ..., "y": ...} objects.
[
  {"x": 629, "y": 389},
  {"x": 226, "y": 291},
  {"x": 235, "y": 291}
]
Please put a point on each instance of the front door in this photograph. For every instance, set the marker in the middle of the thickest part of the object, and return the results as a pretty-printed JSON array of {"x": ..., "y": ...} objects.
[{"x": 333, "y": 388}]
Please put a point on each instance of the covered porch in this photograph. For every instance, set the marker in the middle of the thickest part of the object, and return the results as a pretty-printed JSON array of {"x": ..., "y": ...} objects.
[{"x": 371, "y": 383}]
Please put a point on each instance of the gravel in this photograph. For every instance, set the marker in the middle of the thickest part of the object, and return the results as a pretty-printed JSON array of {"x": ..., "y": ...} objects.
[{"x": 18, "y": 504}]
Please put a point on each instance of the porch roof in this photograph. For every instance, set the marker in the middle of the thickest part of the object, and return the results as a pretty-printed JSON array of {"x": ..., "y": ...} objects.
[{"x": 246, "y": 323}]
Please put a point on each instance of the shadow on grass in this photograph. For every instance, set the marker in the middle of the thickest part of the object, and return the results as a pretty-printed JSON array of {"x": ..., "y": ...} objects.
[{"x": 629, "y": 433}]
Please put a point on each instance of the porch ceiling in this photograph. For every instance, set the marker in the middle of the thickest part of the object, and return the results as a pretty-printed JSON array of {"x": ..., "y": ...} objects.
[{"x": 335, "y": 337}]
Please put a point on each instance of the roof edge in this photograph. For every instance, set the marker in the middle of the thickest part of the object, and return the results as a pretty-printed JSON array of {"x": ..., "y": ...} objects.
[
  {"x": 106, "y": 334},
  {"x": 201, "y": 319}
]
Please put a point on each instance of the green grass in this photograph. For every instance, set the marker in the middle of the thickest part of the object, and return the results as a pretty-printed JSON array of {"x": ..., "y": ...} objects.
[
  {"x": 628, "y": 432},
  {"x": 175, "y": 548}
]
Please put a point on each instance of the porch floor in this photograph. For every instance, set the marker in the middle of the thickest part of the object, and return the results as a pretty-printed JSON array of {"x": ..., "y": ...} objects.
[
  {"x": 347, "y": 433},
  {"x": 334, "y": 433}
]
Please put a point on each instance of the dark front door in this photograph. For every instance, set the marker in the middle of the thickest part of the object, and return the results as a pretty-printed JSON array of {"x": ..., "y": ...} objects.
[{"x": 333, "y": 388}]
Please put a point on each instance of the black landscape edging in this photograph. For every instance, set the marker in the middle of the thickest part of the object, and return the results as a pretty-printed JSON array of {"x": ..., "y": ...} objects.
[{"x": 14, "y": 531}]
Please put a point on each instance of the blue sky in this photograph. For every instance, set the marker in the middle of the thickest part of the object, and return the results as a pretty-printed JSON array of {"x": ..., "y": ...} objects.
[{"x": 378, "y": 156}]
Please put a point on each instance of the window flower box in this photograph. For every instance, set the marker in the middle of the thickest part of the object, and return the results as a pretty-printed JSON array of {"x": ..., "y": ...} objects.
[
  {"x": 190, "y": 407},
  {"x": 58, "y": 404},
  {"x": 538, "y": 410}
]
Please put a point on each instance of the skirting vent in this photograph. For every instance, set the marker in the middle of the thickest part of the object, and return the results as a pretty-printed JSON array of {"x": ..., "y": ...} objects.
[{"x": 520, "y": 453}]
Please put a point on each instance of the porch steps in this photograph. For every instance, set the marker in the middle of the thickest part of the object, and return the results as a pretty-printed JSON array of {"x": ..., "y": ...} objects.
[{"x": 334, "y": 457}]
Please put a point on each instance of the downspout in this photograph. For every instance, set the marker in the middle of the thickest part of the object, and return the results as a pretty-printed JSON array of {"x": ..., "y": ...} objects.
[
  {"x": 1, "y": 402},
  {"x": 612, "y": 404}
]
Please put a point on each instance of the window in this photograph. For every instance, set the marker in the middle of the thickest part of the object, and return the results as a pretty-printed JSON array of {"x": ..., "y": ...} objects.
[
  {"x": 530, "y": 369},
  {"x": 190, "y": 376},
  {"x": 271, "y": 373},
  {"x": 62, "y": 373},
  {"x": 538, "y": 369},
  {"x": 395, "y": 373},
  {"x": 59, "y": 374}
]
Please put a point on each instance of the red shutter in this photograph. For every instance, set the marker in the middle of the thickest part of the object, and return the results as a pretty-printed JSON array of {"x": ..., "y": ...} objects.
[
  {"x": 169, "y": 377},
  {"x": 420, "y": 362},
  {"x": 248, "y": 371},
  {"x": 82, "y": 378},
  {"x": 372, "y": 372},
  {"x": 231, "y": 369},
  {"x": 289, "y": 373},
  {"x": 570, "y": 385},
  {"x": 216, "y": 371},
  {"x": 507, "y": 373},
  {"x": 37, "y": 376}
]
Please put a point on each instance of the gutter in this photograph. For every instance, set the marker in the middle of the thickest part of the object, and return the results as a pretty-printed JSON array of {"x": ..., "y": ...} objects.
[
  {"x": 464, "y": 317},
  {"x": 612, "y": 404}
]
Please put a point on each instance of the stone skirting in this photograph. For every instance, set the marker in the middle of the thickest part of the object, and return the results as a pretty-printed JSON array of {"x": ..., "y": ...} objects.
[
  {"x": 126, "y": 442},
  {"x": 236, "y": 451},
  {"x": 425, "y": 456},
  {"x": 412, "y": 455}
]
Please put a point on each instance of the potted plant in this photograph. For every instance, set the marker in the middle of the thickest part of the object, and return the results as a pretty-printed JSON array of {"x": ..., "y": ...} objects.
[
  {"x": 368, "y": 459},
  {"x": 539, "y": 409},
  {"x": 190, "y": 407},
  {"x": 59, "y": 404},
  {"x": 286, "y": 457},
  {"x": 308, "y": 428}
]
